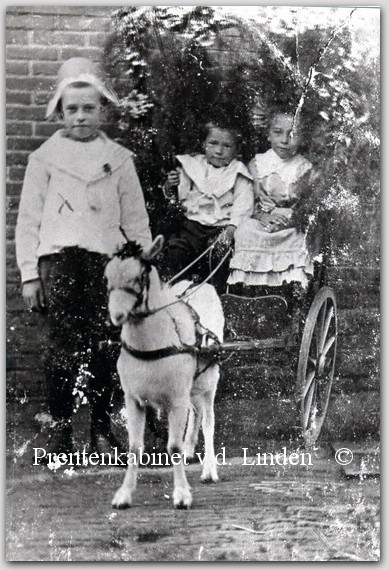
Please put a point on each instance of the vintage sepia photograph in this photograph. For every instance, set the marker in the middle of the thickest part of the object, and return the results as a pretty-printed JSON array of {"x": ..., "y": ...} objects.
[{"x": 193, "y": 222}]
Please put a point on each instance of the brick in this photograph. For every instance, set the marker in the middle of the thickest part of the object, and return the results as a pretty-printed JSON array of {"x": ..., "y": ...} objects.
[
  {"x": 45, "y": 68},
  {"x": 97, "y": 39},
  {"x": 17, "y": 68},
  {"x": 59, "y": 10},
  {"x": 45, "y": 129},
  {"x": 91, "y": 53},
  {"x": 28, "y": 84},
  {"x": 99, "y": 11},
  {"x": 42, "y": 97},
  {"x": 18, "y": 10},
  {"x": 13, "y": 189},
  {"x": 12, "y": 201},
  {"x": 10, "y": 248},
  {"x": 13, "y": 275},
  {"x": 10, "y": 259},
  {"x": 11, "y": 266},
  {"x": 18, "y": 98},
  {"x": 59, "y": 38},
  {"x": 18, "y": 37},
  {"x": 75, "y": 24},
  {"x": 10, "y": 232},
  {"x": 14, "y": 300},
  {"x": 17, "y": 158},
  {"x": 13, "y": 291},
  {"x": 30, "y": 21},
  {"x": 22, "y": 143},
  {"x": 16, "y": 172},
  {"x": 10, "y": 218},
  {"x": 32, "y": 52},
  {"x": 30, "y": 113},
  {"x": 18, "y": 128}
]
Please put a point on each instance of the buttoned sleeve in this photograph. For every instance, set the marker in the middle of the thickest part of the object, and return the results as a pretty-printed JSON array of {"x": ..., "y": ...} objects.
[
  {"x": 29, "y": 219},
  {"x": 133, "y": 217},
  {"x": 243, "y": 204}
]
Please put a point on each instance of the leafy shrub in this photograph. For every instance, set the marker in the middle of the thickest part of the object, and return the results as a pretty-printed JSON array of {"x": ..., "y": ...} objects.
[{"x": 167, "y": 65}]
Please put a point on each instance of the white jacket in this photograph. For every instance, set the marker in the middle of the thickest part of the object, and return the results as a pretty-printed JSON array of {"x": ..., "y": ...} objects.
[
  {"x": 78, "y": 194},
  {"x": 215, "y": 196}
]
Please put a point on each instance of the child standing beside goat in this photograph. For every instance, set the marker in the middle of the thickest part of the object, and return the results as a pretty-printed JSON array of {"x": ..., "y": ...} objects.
[
  {"x": 215, "y": 191},
  {"x": 80, "y": 191}
]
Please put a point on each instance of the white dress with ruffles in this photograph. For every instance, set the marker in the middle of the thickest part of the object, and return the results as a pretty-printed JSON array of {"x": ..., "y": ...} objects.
[{"x": 262, "y": 258}]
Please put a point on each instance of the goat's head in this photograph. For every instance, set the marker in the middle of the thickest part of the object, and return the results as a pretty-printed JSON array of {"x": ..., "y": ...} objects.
[{"x": 128, "y": 274}]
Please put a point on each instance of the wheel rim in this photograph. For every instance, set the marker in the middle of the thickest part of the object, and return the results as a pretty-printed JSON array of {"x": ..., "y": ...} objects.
[{"x": 317, "y": 364}]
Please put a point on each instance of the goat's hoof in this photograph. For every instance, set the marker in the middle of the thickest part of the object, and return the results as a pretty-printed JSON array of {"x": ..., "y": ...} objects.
[
  {"x": 182, "y": 498},
  {"x": 209, "y": 478},
  {"x": 121, "y": 506},
  {"x": 121, "y": 500}
]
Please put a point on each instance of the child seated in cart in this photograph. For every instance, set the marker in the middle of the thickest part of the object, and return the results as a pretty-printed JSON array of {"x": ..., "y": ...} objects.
[
  {"x": 271, "y": 254},
  {"x": 215, "y": 192}
]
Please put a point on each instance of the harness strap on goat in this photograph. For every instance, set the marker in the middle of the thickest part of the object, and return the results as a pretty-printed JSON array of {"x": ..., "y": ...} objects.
[
  {"x": 149, "y": 355},
  {"x": 160, "y": 352}
]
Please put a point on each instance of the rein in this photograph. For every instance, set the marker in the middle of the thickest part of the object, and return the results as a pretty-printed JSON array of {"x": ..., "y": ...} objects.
[{"x": 185, "y": 295}]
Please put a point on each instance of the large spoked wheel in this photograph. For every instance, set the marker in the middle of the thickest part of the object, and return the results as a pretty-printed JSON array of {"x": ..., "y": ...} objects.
[{"x": 316, "y": 364}]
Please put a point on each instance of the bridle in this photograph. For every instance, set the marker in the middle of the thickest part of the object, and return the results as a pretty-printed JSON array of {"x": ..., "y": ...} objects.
[{"x": 141, "y": 294}]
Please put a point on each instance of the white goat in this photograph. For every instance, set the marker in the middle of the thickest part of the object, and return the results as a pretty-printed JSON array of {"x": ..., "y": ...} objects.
[{"x": 153, "y": 319}]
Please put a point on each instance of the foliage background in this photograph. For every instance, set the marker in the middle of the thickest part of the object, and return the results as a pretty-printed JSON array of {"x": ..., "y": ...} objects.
[{"x": 176, "y": 66}]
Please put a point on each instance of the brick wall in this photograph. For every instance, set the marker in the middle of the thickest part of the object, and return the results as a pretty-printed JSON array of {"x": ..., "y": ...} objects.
[{"x": 38, "y": 40}]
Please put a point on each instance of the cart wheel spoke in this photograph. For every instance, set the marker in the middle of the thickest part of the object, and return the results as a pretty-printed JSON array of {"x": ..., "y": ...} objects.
[
  {"x": 326, "y": 326},
  {"x": 308, "y": 400},
  {"x": 328, "y": 345},
  {"x": 321, "y": 325},
  {"x": 310, "y": 379}
]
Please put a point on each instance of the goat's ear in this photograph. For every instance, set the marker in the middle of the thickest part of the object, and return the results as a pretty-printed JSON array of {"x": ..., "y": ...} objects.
[{"x": 154, "y": 249}]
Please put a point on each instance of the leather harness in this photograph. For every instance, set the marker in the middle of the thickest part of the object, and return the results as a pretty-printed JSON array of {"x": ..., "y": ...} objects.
[{"x": 201, "y": 333}]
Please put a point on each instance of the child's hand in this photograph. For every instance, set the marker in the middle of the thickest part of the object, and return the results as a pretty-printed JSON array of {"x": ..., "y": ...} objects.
[
  {"x": 273, "y": 222},
  {"x": 173, "y": 179},
  {"x": 33, "y": 295},
  {"x": 227, "y": 235},
  {"x": 266, "y": 203}
]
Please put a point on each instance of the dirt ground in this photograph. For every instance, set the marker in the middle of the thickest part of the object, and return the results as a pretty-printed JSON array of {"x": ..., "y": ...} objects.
[{"x": 254, "y": 513}]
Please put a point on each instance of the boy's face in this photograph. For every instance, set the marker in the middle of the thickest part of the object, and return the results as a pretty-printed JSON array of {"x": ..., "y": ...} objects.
[
  {"x": 219, "y": 147},
  {"x": 283, "y": 136},
  {"x": 82, "y": 111}
]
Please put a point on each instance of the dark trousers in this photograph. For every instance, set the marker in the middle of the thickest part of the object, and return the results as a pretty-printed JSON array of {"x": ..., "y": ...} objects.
[
  {"x": 185, "y": 245},
  {"x": 77, "y": 317}
]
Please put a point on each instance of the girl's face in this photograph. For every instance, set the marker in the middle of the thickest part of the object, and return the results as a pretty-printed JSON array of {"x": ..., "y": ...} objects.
[
  {"x": 283, "y": 135},
  {"x": 82, "y": 111},
  {"x": 219, "y": 147}
]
